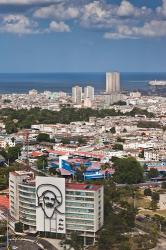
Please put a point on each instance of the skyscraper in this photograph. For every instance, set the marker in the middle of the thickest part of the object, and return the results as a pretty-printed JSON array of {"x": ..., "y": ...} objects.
[
  {"x": 112, "y": 82},
  {"x": 89, "y": 92},
  {"x": 77, "y": 94}
]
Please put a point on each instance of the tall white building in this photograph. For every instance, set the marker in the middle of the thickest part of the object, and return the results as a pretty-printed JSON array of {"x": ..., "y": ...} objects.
[
  {"x": 50, "y": 205},
  {"x": 89, "y": 92},
  {"x": 22, "y": 198},
  {"x": 77, "y": 94},
  {"x": 112, "y": 82}
]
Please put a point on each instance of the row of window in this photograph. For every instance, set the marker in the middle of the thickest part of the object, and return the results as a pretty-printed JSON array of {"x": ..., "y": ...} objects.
[
  {"x": 30, "y": 205},
  {"x": 78, "y": 204},
  {"x": 80, "y": 222},
  {"x": 79, "y": 227},
  {"x": 27, "y": 199},
  {"x": 28, "y": 222},
  {"x": 30, "y": 189},
  {"x": 27, "y": 210},
  {"x": 29, "y": 195},
  {"x": 83, "y": 216},
  {"x": 78, "y": 193},
  {"x": 27, "y": 216},
  {"x": 79, "y": 198},
  {"x": 79, "y": 210}
]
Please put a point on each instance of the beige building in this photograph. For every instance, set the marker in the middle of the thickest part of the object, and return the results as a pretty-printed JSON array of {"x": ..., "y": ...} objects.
[
  {"x": 77, "y": 94},
  {"x": 112, "y": 82},
  {"x": 89, "y": 92}
]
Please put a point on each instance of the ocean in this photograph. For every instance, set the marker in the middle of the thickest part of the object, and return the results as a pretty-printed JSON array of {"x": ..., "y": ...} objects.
[{"x": 22, "y": 83}]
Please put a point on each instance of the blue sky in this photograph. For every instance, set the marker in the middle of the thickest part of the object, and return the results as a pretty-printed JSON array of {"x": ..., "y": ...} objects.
[{"x": 82, "y": 35}]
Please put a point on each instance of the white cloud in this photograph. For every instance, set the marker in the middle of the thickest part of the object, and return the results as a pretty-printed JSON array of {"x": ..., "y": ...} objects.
[
  {"x": 154, "y": 28},
  {"x": 18, "y": 24},
  {"x": 100, "y": 14},
  {"x": 114, "y": 21},
  {"x": 116, "y": 36},
  {"x": 22, "y": 2},
  {"x": 126, "y": 9},
  {"x": 161, "y": 10},
  {"x": 94, "y": 13},
  {"x": 58, "y": 27},
  {"x": 59, "y": 12}
]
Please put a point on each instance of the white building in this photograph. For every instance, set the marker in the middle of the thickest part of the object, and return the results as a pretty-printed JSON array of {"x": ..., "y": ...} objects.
[
  {"x": 151, "y": 155},
  {"x": 89, "y": 92},
  {"x": 33, "y": 92},
  {"x": 50, "y": 205},
  {"x": 77, "y": 94},
  {"x": 112, "y": 82},
  {"x": 22, "y": 198},
  {"x": 135, "y": 94}
]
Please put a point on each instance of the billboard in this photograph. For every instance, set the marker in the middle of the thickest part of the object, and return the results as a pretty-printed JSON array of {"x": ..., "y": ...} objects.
[{"x": 50, "y": 204}]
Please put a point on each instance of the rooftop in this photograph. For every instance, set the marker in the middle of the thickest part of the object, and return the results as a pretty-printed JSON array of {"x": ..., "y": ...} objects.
[
  {"x": 4, "y": 202},
  {"x": 20, "y": 173},
  {"x": 82, "y": 186}
]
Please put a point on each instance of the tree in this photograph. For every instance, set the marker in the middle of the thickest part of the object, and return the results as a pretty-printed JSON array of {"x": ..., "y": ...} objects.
[
  {"x": 155, "y": 197},
  {"x": 138, "y": 111},
  {"x": 116, "y": 224},
  {"x": 128, "y": 171},
  {"x": 65, "y": 140},
  {"x": 119, "y": 139},
  {"x": 43, "y": 137},
  {"x": 141, "y": 154},
  {"x": 163, "y": 185},
  {"x": 6, "y": 101},
  {"x": 81, "y": 140},
  {"x": 75, "y": 242},
  {"x": 79, "y": 172},
  {"x": 106, "y": 240},
  {"x": 147, "y": 192},
  {"x": 19, "y": 227},
  {"x": 120, "y": 103},
  {"x": 3, "y": 227},
  {"x": 114, "y": 159},
  {"x": 113, "y": 130},
  {"x": 42, "y": 162},
  {"x": 13, "y": 153},
  {"x": 10, "y": 127},
  {"x": 118, "y": 146},
  {"x": 148, "y": 124},
  {"x": 153, "y": 173}
]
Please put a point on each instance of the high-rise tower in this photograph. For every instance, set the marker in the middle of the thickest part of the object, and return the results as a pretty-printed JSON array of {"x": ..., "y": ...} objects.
[
  {"x": 89, "y": 92},
  {"x": 112, "y": 82},
  {"x": 77, "y": 94}
]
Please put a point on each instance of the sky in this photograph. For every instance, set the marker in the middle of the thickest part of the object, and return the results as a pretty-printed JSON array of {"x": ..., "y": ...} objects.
[{"x": 82, "y": 36}]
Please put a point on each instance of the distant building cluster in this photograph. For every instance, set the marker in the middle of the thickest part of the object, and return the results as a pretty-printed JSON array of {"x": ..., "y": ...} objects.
[
  {"x": 79, "y": 98},
  {"x": 87, "y": 98}
]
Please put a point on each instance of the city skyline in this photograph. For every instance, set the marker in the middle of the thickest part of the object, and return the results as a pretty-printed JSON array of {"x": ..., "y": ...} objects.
[{"x": 82, "y": 36}]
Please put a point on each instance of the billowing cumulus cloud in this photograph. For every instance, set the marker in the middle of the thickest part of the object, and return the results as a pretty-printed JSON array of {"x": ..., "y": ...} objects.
[
  {"x": 18, "y": 24},
  {"x": 161, "y": 10},
  {"x": 127, "y": 9},
  {"x": 58, "y": 27},
  {"x": 114, "y": 21},
  {"x": 150, "y": 30},
  {"x": 102, "y": 15},
  {"x": 59, "y": 12},
  {"x": 22, "y": 2}
]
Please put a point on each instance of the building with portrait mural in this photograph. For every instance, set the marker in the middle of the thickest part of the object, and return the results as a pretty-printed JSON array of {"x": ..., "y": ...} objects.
[{"x": 51, "y": 206}]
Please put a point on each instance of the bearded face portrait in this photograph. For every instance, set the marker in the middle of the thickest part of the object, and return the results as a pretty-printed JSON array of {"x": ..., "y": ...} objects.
[{"x": 49, "y": 199}]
